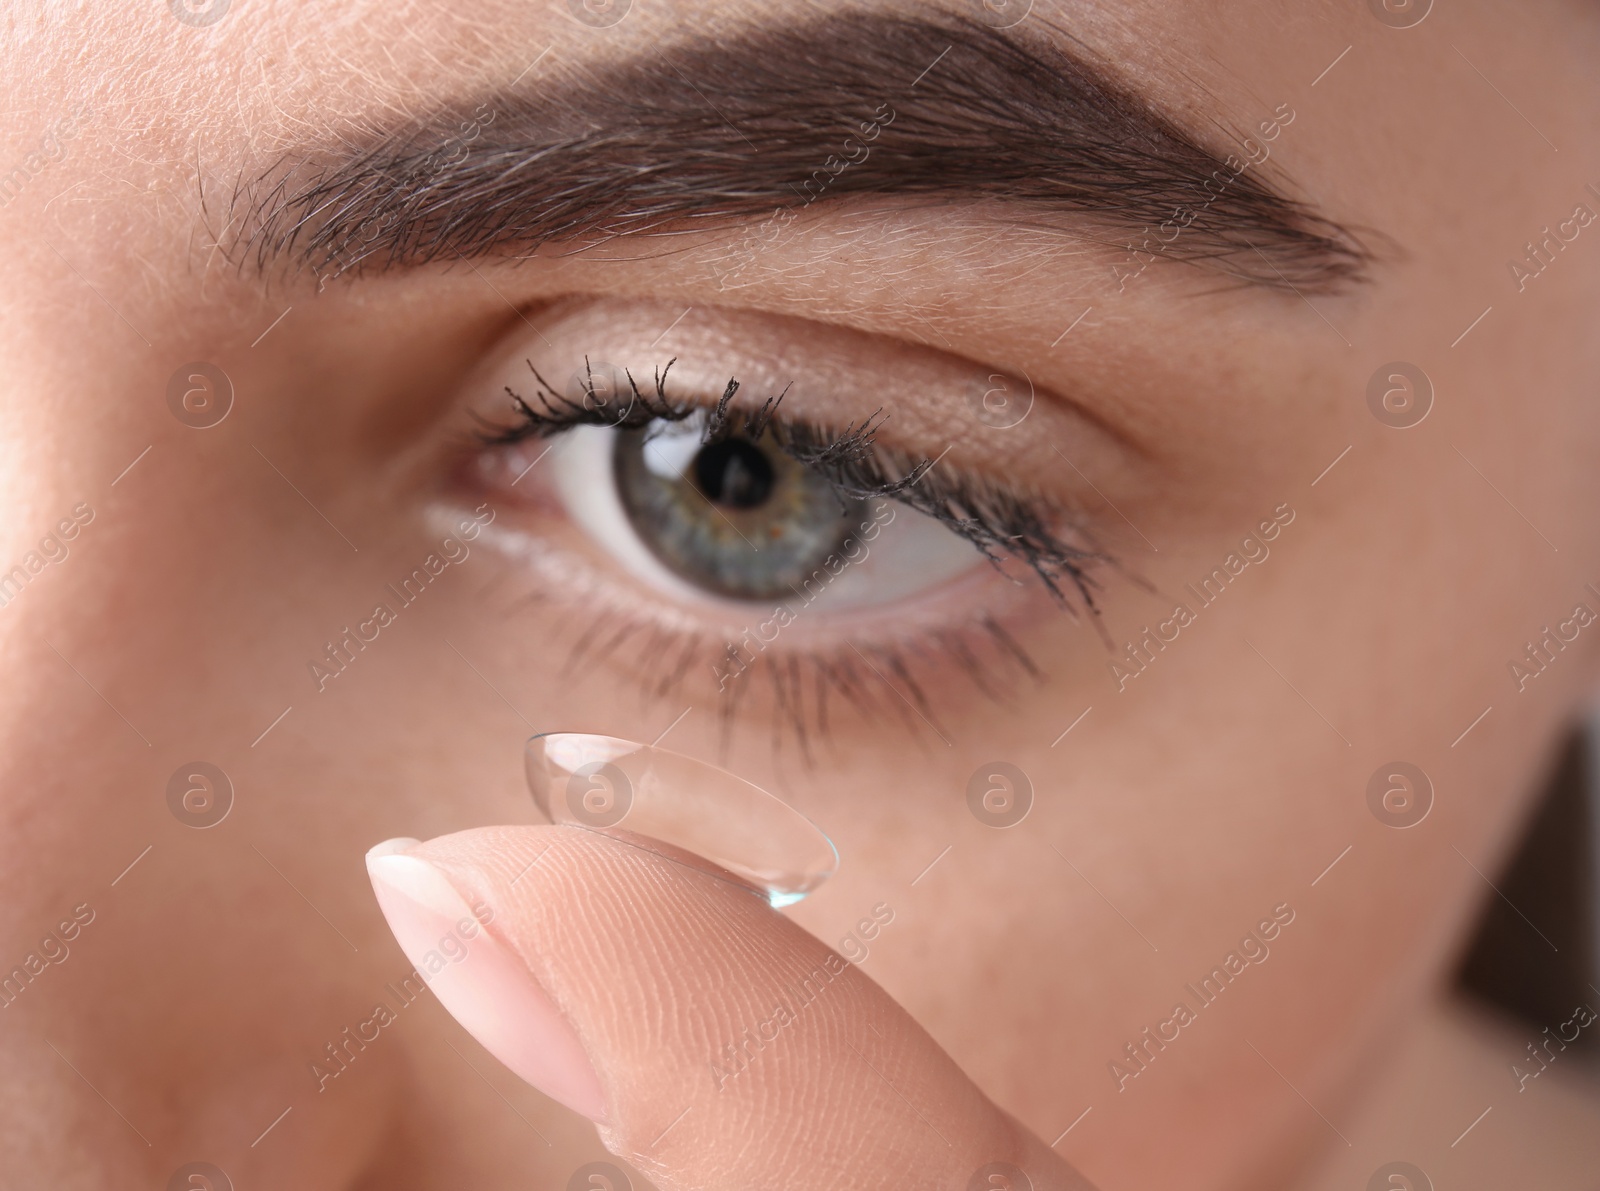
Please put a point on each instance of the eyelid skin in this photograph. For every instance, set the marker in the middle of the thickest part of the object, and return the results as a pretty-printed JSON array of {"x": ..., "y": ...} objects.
[{"x": 928, "y": 402}]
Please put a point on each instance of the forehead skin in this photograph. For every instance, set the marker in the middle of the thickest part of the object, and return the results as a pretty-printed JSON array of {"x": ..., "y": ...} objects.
[{"x": 1426, "y": 559}]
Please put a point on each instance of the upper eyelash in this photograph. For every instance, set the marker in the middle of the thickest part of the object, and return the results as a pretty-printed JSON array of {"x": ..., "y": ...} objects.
[
  {"x": 561, "y": 413},
  {"x": 995, "y": 519}
]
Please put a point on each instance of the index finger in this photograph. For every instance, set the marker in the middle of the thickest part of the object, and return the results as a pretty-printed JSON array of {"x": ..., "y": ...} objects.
[{"x": 726, "y": 1046}]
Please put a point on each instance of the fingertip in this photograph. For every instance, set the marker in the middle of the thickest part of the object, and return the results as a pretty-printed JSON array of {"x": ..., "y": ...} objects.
[{"x": 483, "y": 980}]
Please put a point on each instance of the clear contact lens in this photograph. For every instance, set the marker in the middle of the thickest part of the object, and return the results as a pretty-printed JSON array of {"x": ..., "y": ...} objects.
[{"x": 605, "y": 781}]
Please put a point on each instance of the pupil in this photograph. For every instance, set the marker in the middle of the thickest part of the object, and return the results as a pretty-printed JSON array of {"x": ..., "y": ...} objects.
[{"x": 734, "y": 472}]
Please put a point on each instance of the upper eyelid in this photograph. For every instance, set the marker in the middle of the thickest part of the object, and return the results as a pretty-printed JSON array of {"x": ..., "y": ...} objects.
[
  {"x": 809, "y": 441},
  {"x": 837, "y": 373},
  {"x": 818, "y": 441},
  {"x": 558, "y": 411}
]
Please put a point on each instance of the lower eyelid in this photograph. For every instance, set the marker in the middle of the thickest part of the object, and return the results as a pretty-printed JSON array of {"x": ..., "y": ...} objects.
[
  {"x": 915, "y": 663},
  {"x": 785, "y": 676}
]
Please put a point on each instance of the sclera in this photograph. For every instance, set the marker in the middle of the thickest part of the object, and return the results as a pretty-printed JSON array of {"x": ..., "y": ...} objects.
[{"x": 602, "y": 782}]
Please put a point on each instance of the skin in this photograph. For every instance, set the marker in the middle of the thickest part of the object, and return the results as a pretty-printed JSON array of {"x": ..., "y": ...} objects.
[{"x": 1219, "y": 784}]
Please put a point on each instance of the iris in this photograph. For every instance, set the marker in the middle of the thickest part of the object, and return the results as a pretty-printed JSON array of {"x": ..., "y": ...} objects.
[{"x": 737, "y": 516}]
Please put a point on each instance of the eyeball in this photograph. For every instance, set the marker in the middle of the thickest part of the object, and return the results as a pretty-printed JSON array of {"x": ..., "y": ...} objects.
[{"x": 740, "y": 521}]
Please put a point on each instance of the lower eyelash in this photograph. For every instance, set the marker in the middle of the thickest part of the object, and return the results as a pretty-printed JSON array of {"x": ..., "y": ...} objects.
[{"x": 874, "y": 679}]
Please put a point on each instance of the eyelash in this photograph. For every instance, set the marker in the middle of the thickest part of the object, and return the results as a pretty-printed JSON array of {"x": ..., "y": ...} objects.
[{"x": 998, "y": 522}]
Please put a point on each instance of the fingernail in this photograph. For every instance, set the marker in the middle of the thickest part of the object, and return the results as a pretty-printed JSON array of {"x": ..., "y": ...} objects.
[{"x": 482, "y": 982}]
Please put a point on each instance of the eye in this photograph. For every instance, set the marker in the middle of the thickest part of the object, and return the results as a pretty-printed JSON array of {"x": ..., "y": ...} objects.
[
  {"x": 778, "y": 545},
  {"x": 740, "y": 503},
  {"x": 740, "y": 519}
]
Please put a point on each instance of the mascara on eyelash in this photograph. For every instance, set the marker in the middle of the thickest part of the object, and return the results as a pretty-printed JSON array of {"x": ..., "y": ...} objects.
[{"x": 559, "y": 412}]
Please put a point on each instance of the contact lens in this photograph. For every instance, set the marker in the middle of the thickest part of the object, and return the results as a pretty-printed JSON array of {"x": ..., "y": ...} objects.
[{"x": 604, "y": 781}]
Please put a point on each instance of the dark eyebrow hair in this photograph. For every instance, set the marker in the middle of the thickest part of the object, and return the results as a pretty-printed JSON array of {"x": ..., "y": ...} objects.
[{"x": 706, "y": 133}]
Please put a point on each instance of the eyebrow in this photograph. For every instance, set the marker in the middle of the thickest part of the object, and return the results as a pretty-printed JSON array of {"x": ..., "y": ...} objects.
[{"x": 710, "y": 133}]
